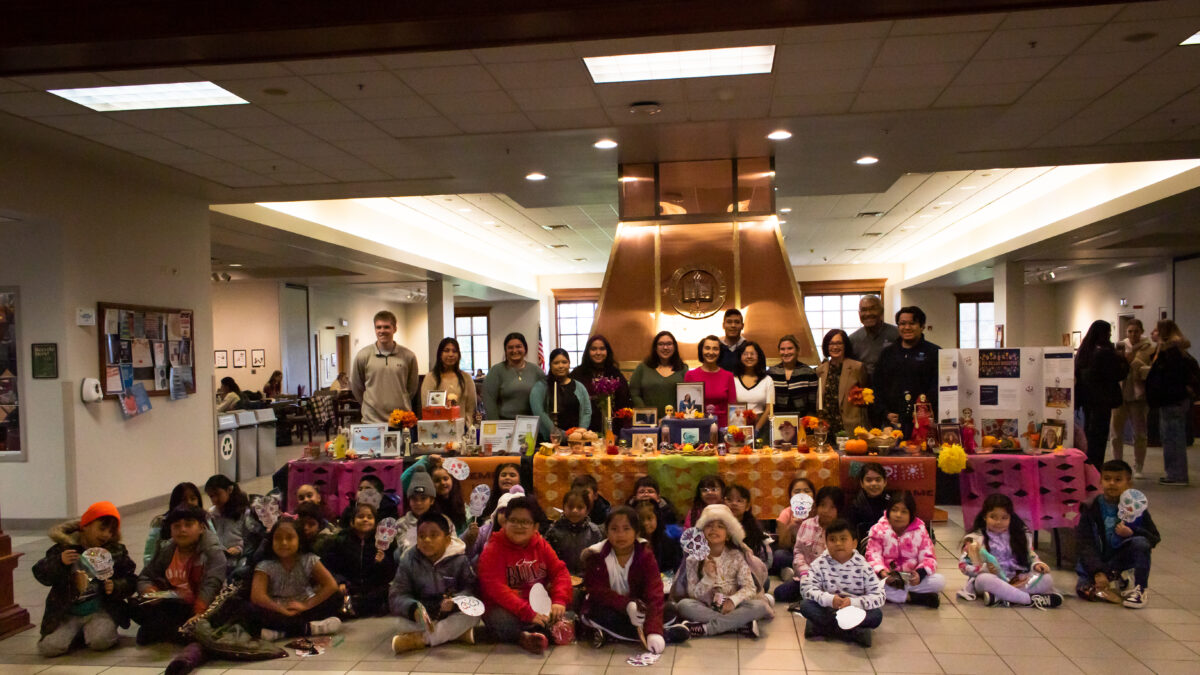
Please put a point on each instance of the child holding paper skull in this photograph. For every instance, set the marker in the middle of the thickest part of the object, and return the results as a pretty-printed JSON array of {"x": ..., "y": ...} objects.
[
  {"x": 79, "y": 601},
  {"x": 901, "y": 553},
  {"x": 810, "y": 540},
  {"x": 1113, "y": 554},
  {"x": 191, "y": 565},
  {"x": 361, "y": 569},
  {"x": 786, "y": 525},
  {"x": 430, "y": 575},
  {"x": 999, "y": 559},
  {"x": 722, "y": 593}
]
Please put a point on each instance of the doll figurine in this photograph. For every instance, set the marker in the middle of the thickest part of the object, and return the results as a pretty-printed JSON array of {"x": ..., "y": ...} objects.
[
  {"x": 922, "y": 420},
  {"x": 968, "y": 431}
]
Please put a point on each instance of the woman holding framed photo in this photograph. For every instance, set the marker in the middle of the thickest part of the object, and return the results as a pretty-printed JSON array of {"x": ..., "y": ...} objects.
[
  {"x": 719, "y": 387},
  {"x": 654, "y": 379},
  {"x": 447, "y": 376}
]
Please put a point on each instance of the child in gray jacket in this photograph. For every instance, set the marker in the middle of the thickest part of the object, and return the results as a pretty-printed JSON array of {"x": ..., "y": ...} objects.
[{"x": 430, "y": 575}]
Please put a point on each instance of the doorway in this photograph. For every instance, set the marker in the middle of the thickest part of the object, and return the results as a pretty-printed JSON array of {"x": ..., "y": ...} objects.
[{"x": 342, "y": 354}]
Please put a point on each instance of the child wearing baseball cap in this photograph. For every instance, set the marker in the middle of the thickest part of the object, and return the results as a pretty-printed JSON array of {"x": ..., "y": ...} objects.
[{"x": 87, "y": 594}]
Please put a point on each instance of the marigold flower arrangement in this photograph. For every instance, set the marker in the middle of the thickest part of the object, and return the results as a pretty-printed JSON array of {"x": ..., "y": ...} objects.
[
  {"x": 736, "y": 434},
  {"x": 809, "y": 422},
  {"x": 623, "y": 414},
  {"x": 750, "y": 417},
  {"x": 860, "y": 396},
  {"x": 402, "y": 418},
  {"x": 952, "y": 459},
  {"x": 696, "y": 414}
]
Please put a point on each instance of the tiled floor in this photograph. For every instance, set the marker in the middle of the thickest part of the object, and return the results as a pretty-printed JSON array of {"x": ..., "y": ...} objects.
[{"x": 958, "y": 638}]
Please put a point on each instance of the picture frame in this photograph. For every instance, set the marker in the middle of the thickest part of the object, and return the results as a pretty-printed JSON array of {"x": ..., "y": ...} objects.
[
  {"x": 1050, "y": 436},
  {"x": 436, "y": 399},
  {"x": 366, "y": 438},
  {"x": 151, "y": 334},
  {"x": 45, "y": 360},
  {"x": 949, "y": 434},
  {"x": 220, "y": 358},
  {"x": 689, "y": 435},
  {"x": 689, "y": 396},
  {"x": 1076, "y": 337},
  {"x": 645, "y": 417},
  {"x": 495, "y": 436},
  {"x": 391, "y": 444},
  {"x": 737, "y": 414},
  {"x": 523, "y": 424},
  {"x": 786, "y": 429},
  {"x": 239, "y": 358},
  {"x": 644, "y": 442},
  {"x": 258, "y": 358}
]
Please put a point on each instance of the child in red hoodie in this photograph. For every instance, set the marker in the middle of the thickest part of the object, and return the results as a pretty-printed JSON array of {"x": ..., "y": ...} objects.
[{"x": 514, "y": 560}]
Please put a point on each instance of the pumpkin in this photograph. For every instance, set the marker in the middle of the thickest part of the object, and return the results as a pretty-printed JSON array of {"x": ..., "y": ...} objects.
[
  {"x": 856, "y": 447},
  {"x": 989, "y": 441}
]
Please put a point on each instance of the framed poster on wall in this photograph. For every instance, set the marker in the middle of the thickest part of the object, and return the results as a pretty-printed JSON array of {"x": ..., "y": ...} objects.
[{"x": 11, "y": 408}]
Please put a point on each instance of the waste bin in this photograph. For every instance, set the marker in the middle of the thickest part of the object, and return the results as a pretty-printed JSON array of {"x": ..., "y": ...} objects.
[
  {"x": 266, "y": 440},
  {"x": 227, "y": 446},
  {"x": 247, "y": 445}
]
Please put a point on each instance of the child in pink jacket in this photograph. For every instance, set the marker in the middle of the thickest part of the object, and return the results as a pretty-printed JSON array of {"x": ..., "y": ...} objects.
[
  {"x": 901, "y": 553},
  {"x": 810, "y": 540}
]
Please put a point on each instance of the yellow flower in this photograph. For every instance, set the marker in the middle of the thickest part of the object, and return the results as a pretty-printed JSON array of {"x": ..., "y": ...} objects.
[
  {"x": 859, "y": 430},
  {"x": 868, "y": 396},
  {"x": 732, "y": 428},
  {"x": 952, "y": 459},
  {"x": 876, "y": 431},
  {"x": 896, "y": 433},
  {"x": 688, "y": 448}
]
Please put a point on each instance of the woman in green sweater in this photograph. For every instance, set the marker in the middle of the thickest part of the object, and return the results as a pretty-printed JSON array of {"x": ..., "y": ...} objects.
[
  {"x": 508, "y": 383},
  {"x": 654, "y": 379}
]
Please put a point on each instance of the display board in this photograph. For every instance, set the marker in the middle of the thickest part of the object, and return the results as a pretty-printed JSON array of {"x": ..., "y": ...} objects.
[
  {"x": 153, "y": 346},
  {"x": 1022, "y": 394}
]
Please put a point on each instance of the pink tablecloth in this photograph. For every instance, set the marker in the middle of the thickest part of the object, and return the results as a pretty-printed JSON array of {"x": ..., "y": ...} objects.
[{"x": 1046, "y": 490}]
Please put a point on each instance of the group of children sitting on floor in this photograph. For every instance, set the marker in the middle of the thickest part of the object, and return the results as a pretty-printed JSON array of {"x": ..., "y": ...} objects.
[{"x": 600, "y": 566}]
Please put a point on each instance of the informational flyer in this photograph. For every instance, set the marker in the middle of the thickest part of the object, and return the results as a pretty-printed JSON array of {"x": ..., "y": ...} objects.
[{"x": 995, "y": 363}]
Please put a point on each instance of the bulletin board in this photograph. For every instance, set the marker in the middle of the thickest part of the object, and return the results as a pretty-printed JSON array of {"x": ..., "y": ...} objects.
[
  {"x": 1010, "y": 393},
  {"x": 153, "y": 346}
]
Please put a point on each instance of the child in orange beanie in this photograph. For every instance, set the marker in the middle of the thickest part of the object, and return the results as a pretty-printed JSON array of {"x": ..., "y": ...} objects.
[{"x": 87, "y": 595}]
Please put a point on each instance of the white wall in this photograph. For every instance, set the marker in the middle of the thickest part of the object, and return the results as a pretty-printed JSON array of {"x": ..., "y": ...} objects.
[
  {"x": 246, "y": 316},
  {"x": 941, "y": 313},
  {"x": 520, "y": 316},
  {"x": 1187, "y": 290},
  {"x": 1083, "y": 301},
  {"x": 327, "y": 306},
  {"x": 117, "y": 236}
]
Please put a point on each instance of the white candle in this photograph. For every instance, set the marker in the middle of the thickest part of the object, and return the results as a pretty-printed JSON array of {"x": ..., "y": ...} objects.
[
  {"x": 556, "y": 398},
  {"x": 821, "y": 394}
]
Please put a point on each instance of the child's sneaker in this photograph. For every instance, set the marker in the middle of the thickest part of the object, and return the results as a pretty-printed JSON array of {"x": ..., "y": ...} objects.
[
  {"x": 750, "y": 630},
  {"x": 534, "y": 643},
  {"x": 1127, "y": 582},
  {"x": 676, "y": 634},
  {"x": 325, "y": 626},
  {"x": 990, "y": 600},
  {"x": 407, "y": 642},
  {"x": 696, "y": 628},
  {"x": 1046, "y": 600},
  {"x": 467, "y": 638},
  {"x": 931, "y": 600},
  {"x": 862, "y": 636},
  {"x": 1136, "y": 599},
  {"x": 563, "y": 632},
  {"x": 271, "y": 635},
  {"x": 787, "y": 574}
]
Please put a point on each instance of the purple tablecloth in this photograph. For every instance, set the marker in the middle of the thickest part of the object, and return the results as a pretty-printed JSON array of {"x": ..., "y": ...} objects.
[{"x": 1047, "y": 490}]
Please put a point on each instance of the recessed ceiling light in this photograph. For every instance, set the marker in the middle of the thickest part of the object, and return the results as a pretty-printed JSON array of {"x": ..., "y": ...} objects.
[
  {"x": 946, "y": 203},
  {"x": 150, "y": 96},
  {"x": 779, "y": 135},
  {"x": 627, "y": 179},
  {"x": 605, "y": 144},
  {"x": 235, "y": 264},
  {"x": 535, "y": 176},
  {"x": 677, "y": 65},
  {"x": 551, "y": 228},
  {"x": 866, "y": 159},
  {"x": 1193, "y": 40},
  {"x": 786, "y": 209},
  {"x": 556, "y": 245}
]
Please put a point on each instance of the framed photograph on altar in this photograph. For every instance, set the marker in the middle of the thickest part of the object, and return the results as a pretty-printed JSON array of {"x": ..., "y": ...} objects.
[
  {"x": 786, "y": 429},
  {"x": 644, "y": 442},
  {"x": 645, "y": 417},
  {"x": 391, "y": 444},
  {"x": 1051, "y": 435},
  {"x": 436, "y": 399},
  {"x": 367, "y": 438},
  {"x": 737, "y": 414},
  {"x": 495, "y": 436},
  {"x": 689, "y": 396},
  {"x": 949, "y": 434},
  {"x": 523, "y": 425},
  {"x": 689, "y": 435}
]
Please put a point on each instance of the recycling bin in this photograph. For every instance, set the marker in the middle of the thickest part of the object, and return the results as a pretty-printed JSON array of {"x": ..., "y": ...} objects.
[
  {"x": 247, "y": 445},
  {"x": 227, "y": 446},
  {"x": 266, "y": 440}
]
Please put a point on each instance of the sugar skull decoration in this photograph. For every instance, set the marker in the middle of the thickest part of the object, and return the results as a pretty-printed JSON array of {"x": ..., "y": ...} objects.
[
  {"x": 694, "y": 543},
  {"x": 1131, "y": 506},
  {"x": 457, "y": 468},
  {"x": 850, "y": 617},
  {"x": 801, "y": 505},
  {"x": 479, "y": 499},
  {"x": 99, "y": 562},
  {"x": 539, "y": 599},
  {"x": 385, "y": 533},
  {"x": 469, "y": 605},
  {"x": 369, "y": 496},
  {"x": 267, "y": 510}
]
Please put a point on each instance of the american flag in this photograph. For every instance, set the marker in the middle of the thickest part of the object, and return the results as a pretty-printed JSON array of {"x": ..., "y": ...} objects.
[{"x": 541, "y": 351}]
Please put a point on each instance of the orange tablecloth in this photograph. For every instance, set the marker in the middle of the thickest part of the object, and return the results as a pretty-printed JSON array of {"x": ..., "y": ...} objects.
[{"x": 767, "y": 476}]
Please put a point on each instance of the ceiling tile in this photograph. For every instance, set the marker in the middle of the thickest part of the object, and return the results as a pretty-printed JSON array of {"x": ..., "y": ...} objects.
[
  {"x": 538, "y": 74},
  {"x": 87, "y": 125},
  {"x": 425, "y": 60},
  {"x": 357, "y": 85},
  {"x": 472, "y": 103},
  {"x": 821, "y": 104},
  {"x": 309, "y": 150},
  {"x": 1079, "y": 130},
  {"x": 1034, "y": 42},
  {"x": 738, "y": 108},
  {"x": 898, "y": 99},
  {"x": 291, "y": 89},
  {"x": 957, "y": 96},
  {"x": 361, "y": 175},
  {"x": 7, "y": 85},
  {"x": 313, "y": 112},
  {"x": 1137, "y": 96},
  {"x": 418, "y": 127},
  {"x": 174, "y": 156},
  {"x": 244, "y": 179},
  {"x": 728, "y": 88},
  {"x": 1066, "y": 16},
  {"x": 353, "y": 64},
  {"x": 492, "y": 123},
  {"x": 455, "y": 79},
  {"x": 204, "y": 138},
  {"x": 153, "y": 76},
  {"x": 1022, "y": 124},
  {"x": 1004, "y": 71},
  {"x": 1159, "y": 126},
  {"x": 234, "y": 116},
  {"x": 563, "y": 98},
  {"x": 214, "y": 169},
  {"x": 921, "y": 49},
  {"x": 285, "y": 134},
  {"x": 1183, "y": 60},
  {"x": 1166, "y": 34},
  {"x": 269, "y": 167},
  {"x": 38, "y": 104},
  {"x": 375, "y": 146},
  {"x": 947, "y": 24},
  {"x": 136, "y": 142},
  {"x": 242, "y": 153},
  {"x": 345, "y": 131},
  {"x": 158, "y": 120},
  {"x": 834, "y": 32},
  {"x": 819, "y": 82},
  {"x": 809, "y": 56},
  {"x": 1188, "y": 103},
  {"x": 301, "y": 177},
  {"x": 1069, "y": 89},
  {"x": 518, "y": 53},
  {"x": 892, "y": 78},
  {"x": 623, "y": 93},
  {"x": 1110, "y": 65},
  {"x": 63, "y": 81},
  {"x": 635, "y": 45},
  {"x": 391, "y": 108}
]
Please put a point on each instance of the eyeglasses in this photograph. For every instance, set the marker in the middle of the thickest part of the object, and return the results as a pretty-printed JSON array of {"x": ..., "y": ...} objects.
[{"x": 519, "y": 522}]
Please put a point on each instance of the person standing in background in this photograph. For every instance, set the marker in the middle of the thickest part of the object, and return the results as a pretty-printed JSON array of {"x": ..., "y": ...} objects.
[
  {"x": 383, "y": 376},
  {"x": 1099, "y": 371},
  {"x": 868, "y": 342},
  {"x": 1133, "y": 407}
]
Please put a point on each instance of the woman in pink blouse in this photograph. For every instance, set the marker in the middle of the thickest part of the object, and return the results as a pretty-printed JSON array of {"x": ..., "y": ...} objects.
[{"x": 719, "y": 388}]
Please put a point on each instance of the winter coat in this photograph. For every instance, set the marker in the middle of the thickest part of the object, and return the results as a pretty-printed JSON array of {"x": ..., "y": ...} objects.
[
  {"x": 1169, "y": 376},
  {"x": 828, "y": 577},
  {"x": 351, "y": 561},
  {"x": 1092, "y": 547},
  {"x": 911, "y": 551},
  {"x": 207, "y": 574},
  {"x": 1098, "y": 385},
  {"x": 600, "y": 509},
  {"x": 569, "y": 539},
  {"x": 50, "y": 571},
  {"x": 810, "y": 543},
  {"x": 645, "y": 585},
  {"x": 865, "y": 511},
  {"x": 421, "y": 581},
  {"x": 508, "y": 571}
]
